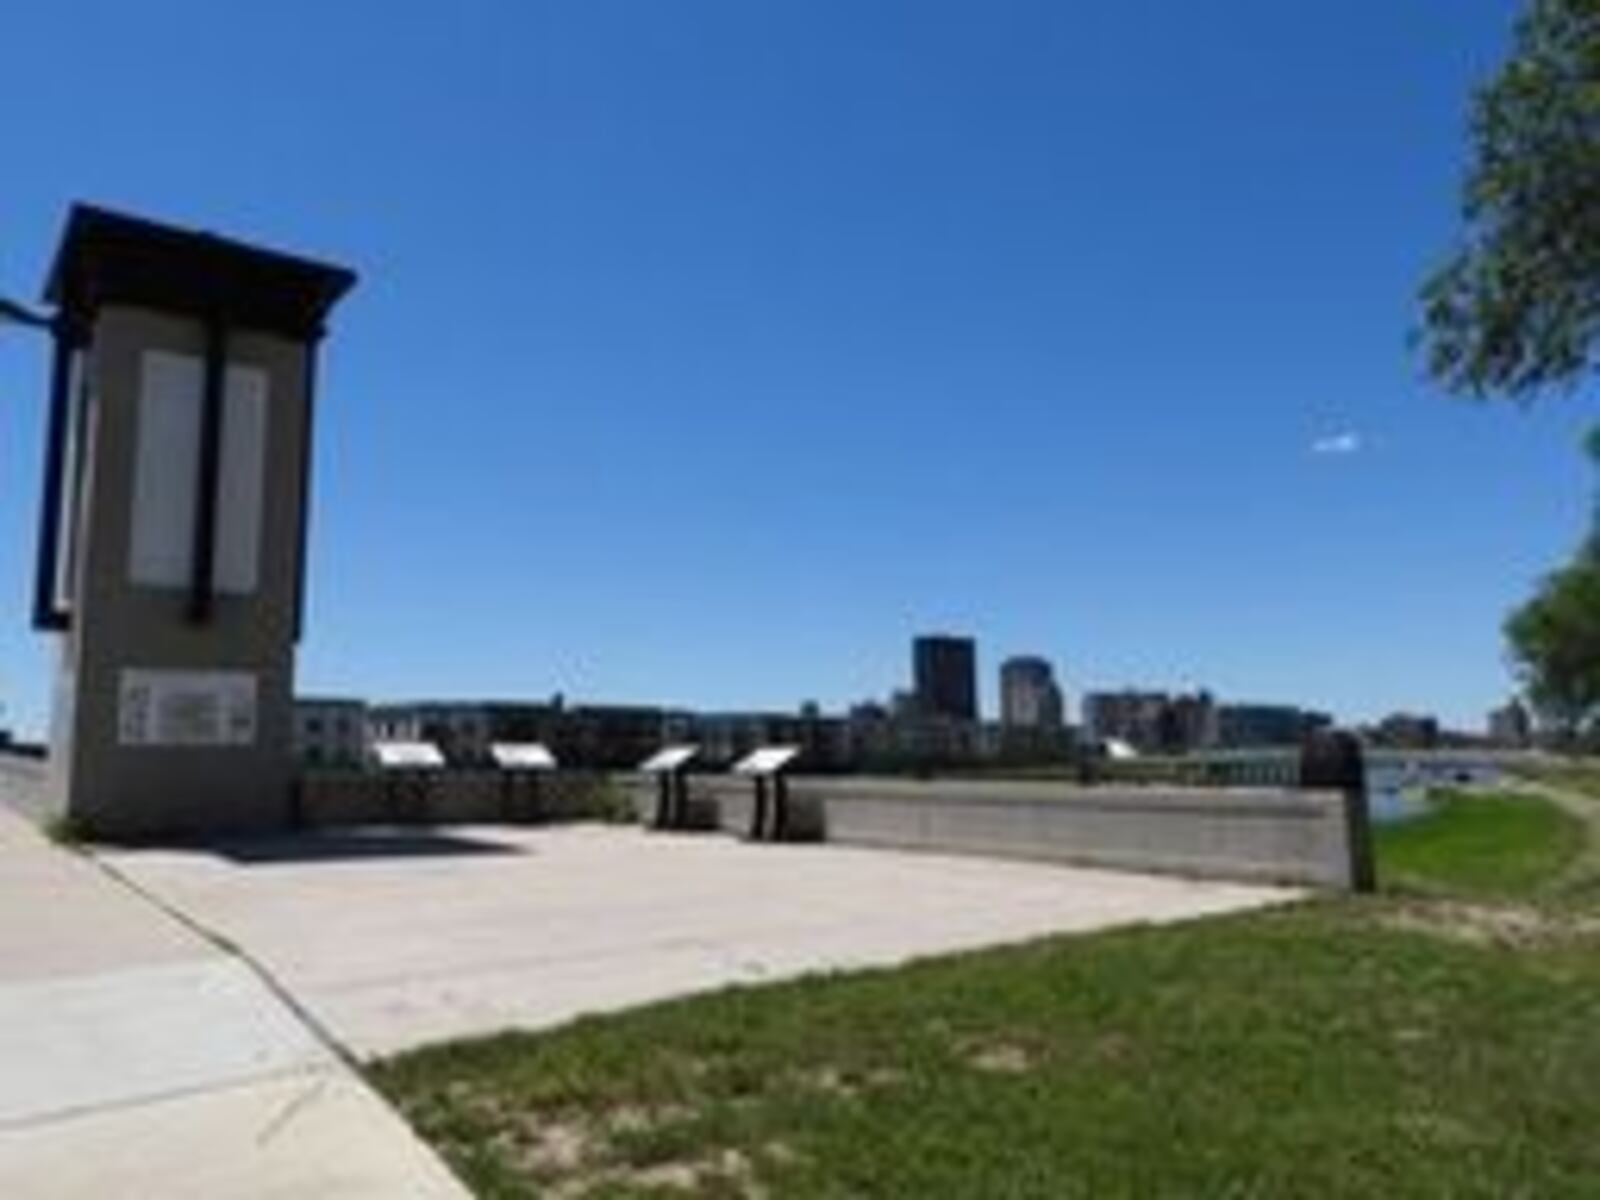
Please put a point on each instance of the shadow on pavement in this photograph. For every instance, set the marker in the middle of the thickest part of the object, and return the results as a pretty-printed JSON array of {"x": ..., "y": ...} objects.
[{"x": 354, "y": 844}]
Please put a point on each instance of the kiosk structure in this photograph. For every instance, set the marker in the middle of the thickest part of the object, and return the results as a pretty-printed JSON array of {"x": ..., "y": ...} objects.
[
  {"x": 522, "y": 765},
  {"x": 173, "y": 527},
  {"x": 767, "y": 766},
  {"x": 670, "y": 766}
]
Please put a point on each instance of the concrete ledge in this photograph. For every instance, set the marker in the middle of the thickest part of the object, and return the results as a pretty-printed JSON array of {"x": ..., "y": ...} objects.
[
  {"x": 1255, "y": 834},
  {"x": 1274, "y": 835},
  {"x": 23, "y": 783},
  {"x": 450, "y": 797}
]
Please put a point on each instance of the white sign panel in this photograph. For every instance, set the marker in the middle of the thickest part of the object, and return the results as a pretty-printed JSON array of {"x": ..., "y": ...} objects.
[
  {"x": 166, "y": 473},
  {"x": 186, "y": 708},
  {"x": 669, "y": 758},
  {"x": 522, "y": 756},
  {"x": 396, "y": 756},
  {"x": 241, "y": 480},
  {"x": 768, "y": 760}
]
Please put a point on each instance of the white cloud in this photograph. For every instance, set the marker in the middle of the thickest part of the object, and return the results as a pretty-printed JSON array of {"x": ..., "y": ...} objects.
[{"x": 1348, "y": 442}]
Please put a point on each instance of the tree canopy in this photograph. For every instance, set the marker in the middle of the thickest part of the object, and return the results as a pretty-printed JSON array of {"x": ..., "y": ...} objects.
[
  {"x": 1555, "y": 639},
  {"x": 1517, "y": 308}
]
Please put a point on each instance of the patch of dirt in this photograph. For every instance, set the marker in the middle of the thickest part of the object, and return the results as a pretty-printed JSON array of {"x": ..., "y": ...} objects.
[
  {"x": 1439, "y": 1132},
  {"x": 572, "y": 1156},
  {"x": 846, "y": 1085},
  {"x": 1489, "y": 925},
  {"x": 545, "y": 1147},
  {"x": 637, "y": 1118},
  {"x": 1000, "y": 1058},
  {"x": 725, "y": 1170},
  {"x": 781, "y": 1153},
  {"x": 727, "y": 1167},
  {"x": 1112, "y": 1048}
]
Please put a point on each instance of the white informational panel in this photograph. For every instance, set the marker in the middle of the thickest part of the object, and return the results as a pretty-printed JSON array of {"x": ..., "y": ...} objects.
[
  {"x": 186, "y": 708},
  {"x": 79, "y": 401},
  {"x": 668, "y": 758},
  {"x": 166, "y": 473},
  {"x": 242, "y": 481},
  {"x": 522, "y": 756},
  {"x": 407, "y": 756},
  {"x": 166, "y": 458},
  {"x": 768, "y": 760}
]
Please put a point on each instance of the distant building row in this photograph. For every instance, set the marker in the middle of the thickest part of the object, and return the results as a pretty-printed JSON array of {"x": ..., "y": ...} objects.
[
  {"x": 340, "y": 732},
  {"x": 1154, "y": 722},
  {"x": 934, "y": 723}
]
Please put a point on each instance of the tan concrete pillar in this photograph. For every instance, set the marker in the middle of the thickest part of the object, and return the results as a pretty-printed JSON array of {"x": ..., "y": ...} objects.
[{"x": 172, "y": 544}]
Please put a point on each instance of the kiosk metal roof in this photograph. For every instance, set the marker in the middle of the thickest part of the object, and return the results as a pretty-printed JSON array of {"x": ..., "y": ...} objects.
[{"x": 109, "y": 257}]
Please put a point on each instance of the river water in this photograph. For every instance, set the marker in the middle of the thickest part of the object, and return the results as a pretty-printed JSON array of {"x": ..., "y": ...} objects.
[{"x": 1398, "y": 791}]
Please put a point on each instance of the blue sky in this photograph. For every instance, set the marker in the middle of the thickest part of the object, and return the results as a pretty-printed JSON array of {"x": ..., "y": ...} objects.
[{"x": 705, "y": 351}]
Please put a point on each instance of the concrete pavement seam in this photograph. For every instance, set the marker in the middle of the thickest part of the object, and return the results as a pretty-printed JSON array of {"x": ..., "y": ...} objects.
[
  {"x": 80, "y": 1111},
  {"x": 321, "y": 1032}
]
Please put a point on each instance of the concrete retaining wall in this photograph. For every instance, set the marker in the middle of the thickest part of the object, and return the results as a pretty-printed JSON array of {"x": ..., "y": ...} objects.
[
  {"x": 23, "y": 779},
  {"x": 1277, "y": 835}
]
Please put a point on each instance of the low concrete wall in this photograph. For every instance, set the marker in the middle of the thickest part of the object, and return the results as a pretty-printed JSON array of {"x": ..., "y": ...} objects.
[
  {"x": 453, "y": 797},
  {"x": 23, "y": 779},
  {"x": 1277, "y": 835}
]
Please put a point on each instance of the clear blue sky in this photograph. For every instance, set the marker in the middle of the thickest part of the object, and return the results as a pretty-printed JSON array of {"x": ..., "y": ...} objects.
[{"x": 706, "y": 351}]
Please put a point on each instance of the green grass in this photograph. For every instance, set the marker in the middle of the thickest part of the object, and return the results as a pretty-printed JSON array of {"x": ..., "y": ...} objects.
[
  {"x": 1583, "y": 776},
  {"x": 1403, "y": 1045},
  {"x": 61, "y": 829},
  {"x": 1481, "y": 845}
]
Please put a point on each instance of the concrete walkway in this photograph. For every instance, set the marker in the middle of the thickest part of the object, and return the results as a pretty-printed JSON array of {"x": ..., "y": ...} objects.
[
  {"x": 138, "y": 1059},
  {"x": 398, "y": 939}
]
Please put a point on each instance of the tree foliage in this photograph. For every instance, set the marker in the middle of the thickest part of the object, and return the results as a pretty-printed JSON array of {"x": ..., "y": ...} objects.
[
  {"x": 1555, "y": 636},
  {"x": 1517, "y": 309},
  {"x": 1555, "y": 639}
]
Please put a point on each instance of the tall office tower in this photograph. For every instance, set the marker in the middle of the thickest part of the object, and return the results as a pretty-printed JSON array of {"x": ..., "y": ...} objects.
[
  {"x": 1029, "y": 695},
  {"x": 945, "y": 676}
]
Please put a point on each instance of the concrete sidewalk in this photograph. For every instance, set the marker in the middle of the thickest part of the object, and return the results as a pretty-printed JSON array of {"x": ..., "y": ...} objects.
[
  {"x": 137, "y": 1059},
  {"x": 398, "y": 938}
]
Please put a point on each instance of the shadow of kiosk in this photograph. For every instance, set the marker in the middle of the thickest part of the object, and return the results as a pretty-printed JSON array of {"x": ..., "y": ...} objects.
[
  {"x": 173, "y": 525},
  {"x": 522, "y": 767},
  {"x": 670, "y": 766},
  {"x": 408, "y": 769},
  {"x": 767, "y": 767}
]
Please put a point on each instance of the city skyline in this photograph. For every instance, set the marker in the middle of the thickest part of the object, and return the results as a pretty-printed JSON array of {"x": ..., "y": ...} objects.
[
  {"x": 948, "y": 322},
  {"x": 1038, "y": 700}
]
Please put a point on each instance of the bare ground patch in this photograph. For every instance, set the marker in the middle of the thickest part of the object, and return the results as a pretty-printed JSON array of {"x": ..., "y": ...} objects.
[
  {"x": 1490, "y": 925},
  {"x": 1000, "y": 1058}
]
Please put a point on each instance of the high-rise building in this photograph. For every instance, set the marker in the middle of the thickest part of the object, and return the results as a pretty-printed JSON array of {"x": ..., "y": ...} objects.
[
  {"x": 945, "y": 676},
  {"x": 1131, "y": 717},
  {"x": 1029, "y": 696},
  {"x": 1246, "y": 726},
  {"x": 1154, "y": 722},
  {"x": 329, "y": 732},
  {"x": 1407, "y": 731},
  {"x": 1194, "y": 724},
  {"x": 1511, "y": 725}
]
